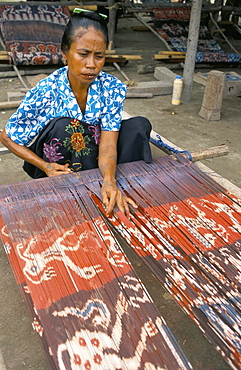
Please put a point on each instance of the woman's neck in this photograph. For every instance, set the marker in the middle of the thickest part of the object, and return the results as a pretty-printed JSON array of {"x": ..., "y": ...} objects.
[
  {"x": 81, "y": 97},
  {"x": 80, "y": 92}
]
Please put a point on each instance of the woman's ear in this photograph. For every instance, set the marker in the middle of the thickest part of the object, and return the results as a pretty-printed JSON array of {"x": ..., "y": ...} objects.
[{"x": 64, "y": 59}]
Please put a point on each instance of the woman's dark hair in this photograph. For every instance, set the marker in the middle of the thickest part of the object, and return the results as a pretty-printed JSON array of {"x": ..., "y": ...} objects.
[{"x": 83, "y": 20}]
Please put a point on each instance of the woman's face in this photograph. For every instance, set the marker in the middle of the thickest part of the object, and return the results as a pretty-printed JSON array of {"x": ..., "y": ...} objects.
[{"x": 86, "y": 56}]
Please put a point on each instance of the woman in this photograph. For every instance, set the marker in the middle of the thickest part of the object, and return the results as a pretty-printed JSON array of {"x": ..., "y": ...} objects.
[{"x": 71, "y": 120}]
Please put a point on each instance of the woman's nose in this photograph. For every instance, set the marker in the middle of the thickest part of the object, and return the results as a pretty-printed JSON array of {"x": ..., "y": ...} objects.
[{"x": 90, "y": 62}]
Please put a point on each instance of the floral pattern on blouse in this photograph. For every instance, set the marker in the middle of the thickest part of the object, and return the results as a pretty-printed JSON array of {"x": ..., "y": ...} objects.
[{"x": 52, "y": 97}]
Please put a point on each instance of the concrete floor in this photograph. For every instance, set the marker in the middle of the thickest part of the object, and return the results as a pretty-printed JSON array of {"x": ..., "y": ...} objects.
[{"x": 179, "y": 124}]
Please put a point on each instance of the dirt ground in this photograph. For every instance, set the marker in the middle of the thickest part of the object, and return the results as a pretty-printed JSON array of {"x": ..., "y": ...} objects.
[{"x": 179, "y": 124}]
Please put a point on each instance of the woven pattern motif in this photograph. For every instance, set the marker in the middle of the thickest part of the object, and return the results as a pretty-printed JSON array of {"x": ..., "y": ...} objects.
[
  {"x": 88, "y": 306},
  {"x": 32, "y": 33}
]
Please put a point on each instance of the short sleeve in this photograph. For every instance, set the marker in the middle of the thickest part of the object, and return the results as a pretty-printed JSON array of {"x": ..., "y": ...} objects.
[
  {"x": 113, "y": 96},
  {"x": 30, "y": 117},
  {"x": 42, "y": 103}
]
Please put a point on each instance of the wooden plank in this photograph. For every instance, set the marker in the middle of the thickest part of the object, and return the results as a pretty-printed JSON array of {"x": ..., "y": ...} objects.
[
  {"x": 164, "y": 52},
  {"x": 127, "y": 57},
  {"x": 167, "y": 57},
  {"x": 215, "y": 151},
  {"x": 112, "y": 58},
  {"x": 87, "y": 7},
  {"x": 4, "y": 151},
  {"x": 4, "y": 57},
  {"x": 132, "y": 57},
  {"x": 9, "y": 104}
]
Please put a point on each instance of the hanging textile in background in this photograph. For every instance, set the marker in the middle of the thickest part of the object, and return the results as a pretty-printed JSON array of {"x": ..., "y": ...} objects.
[
  {"x": 32, "y": 34},
  {"x": 172, "y": 24},
  {"x": 88, "y": 306}
]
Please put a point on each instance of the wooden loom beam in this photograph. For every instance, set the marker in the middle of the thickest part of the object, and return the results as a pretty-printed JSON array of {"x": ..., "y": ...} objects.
[{"x": 215, "y": 176}]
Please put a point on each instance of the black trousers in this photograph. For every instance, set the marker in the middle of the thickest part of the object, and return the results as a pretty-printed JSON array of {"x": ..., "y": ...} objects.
[{"x": 67, "y": 140}]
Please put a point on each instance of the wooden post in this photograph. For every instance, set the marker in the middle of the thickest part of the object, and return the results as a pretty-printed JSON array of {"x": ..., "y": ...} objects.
[
  {"x": 113, "y": 7},
  {"x": 192, "y": 41},
  {"x": 213, "y": 96}
]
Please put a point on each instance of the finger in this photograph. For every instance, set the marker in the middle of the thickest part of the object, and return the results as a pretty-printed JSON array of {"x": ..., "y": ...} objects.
[
  {"x": 131, "y": 201},
  {"x": 66, "y": 168},
  {"x": 111, "y": 204},
  {"x": 122, "y": 204},
  {"x": 62, "y": 171},
  {"x": 127, "y": 210},
  {"x": 57, "y": 173},
  {"x": 105, "y": 199}
]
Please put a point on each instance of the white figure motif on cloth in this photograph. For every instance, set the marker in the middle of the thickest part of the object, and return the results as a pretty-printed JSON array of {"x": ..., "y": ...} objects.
[
  {"x": 98, "y": 350},
  {"x": 114, "y": 254},
  {"x": 38, "y": 265}
]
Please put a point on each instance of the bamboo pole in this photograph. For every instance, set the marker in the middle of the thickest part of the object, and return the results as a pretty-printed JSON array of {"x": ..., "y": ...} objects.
[
  {"x": 140, "y": 19},
  {"x": 225, "y": 38}
]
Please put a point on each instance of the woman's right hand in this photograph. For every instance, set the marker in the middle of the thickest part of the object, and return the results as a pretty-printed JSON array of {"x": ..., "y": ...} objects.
[
  {"x": 55, "y": 169},
  {"x": 51, "y": 169}
]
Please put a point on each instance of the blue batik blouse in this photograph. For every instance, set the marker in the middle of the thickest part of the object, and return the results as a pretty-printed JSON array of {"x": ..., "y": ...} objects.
[{"x": 52, "y": 97}]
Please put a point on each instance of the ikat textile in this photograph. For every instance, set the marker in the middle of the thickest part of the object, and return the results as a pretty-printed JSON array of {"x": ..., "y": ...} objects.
[
  {"x": 88, "y": 306},
  {"x": 53, "y": 97},
  {"x": 172, "y": 24},
  {"x": 83, "y": 291},
  {"x": 32, "y": 33}
]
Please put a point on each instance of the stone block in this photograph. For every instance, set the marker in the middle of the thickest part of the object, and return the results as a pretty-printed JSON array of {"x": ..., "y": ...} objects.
[
  {"x": 164, "y": 74},
  {"x": 153, "y": 87}
]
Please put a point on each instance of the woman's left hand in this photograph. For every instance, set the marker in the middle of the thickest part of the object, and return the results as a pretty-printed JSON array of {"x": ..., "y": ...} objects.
[{"x": 111, "y": 196}]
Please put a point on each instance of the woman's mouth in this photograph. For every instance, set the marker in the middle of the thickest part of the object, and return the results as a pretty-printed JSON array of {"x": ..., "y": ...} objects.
[{"x": 89, "y": 76}]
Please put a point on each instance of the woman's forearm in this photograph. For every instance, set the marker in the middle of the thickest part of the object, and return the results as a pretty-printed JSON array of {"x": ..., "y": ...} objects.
[
  {"x": 108, "y": 155},
  {"x": 111, "y": 194},
  {"x": 107, "y": 164},
  {"x": 22, "y": 152}
]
